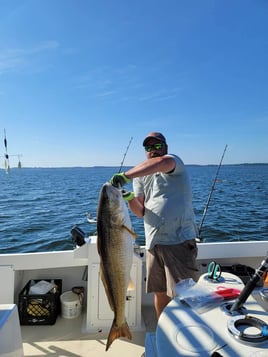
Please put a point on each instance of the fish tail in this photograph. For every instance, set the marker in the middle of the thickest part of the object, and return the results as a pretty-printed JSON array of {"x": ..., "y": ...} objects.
[{"x": 117, "y": 332}]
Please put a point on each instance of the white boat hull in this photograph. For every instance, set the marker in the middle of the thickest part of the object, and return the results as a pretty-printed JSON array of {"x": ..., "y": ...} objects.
[{"x": 70, "y": 266}]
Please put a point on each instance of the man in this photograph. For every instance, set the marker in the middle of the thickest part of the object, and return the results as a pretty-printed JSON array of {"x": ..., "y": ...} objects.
[{"x": 163, "y": 197}]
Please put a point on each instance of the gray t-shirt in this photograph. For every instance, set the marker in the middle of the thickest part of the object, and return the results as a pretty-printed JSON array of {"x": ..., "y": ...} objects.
[{"x": 169, "y": 217}]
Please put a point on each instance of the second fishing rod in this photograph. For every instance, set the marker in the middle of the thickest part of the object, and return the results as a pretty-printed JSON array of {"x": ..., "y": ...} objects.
[{"x": 210, "y": 195}]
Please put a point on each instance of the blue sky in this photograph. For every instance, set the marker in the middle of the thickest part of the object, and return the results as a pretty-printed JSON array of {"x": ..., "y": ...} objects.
[{"x": 79, "y": 78}]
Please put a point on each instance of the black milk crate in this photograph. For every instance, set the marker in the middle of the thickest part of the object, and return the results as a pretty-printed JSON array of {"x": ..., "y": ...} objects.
[{"x": 39, "y": 309}]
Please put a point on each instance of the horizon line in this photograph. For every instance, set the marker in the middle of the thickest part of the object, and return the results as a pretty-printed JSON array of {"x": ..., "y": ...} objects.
[{"x": 93, "y": 166}]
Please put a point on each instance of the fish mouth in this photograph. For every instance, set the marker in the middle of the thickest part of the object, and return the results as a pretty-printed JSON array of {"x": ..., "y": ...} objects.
[
  {"x": 109, "y": 190},
  {"x": 104, "y": 190}
]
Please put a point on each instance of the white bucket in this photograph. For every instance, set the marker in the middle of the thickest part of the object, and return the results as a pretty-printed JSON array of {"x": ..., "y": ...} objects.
[{"x": 70, "y": 305}]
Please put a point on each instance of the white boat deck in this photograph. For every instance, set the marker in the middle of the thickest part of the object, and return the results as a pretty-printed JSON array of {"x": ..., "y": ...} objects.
[
  {"x": 66, "y": 338},
  {"x": 74, "y": 337}
]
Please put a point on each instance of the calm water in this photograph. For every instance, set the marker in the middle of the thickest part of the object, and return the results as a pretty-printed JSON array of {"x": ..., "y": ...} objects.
[{"x": 38, "y": 207}]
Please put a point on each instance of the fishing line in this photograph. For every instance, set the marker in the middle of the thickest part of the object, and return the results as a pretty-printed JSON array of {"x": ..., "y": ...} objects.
[
  {"x": 210, "y": 194},
  {"x": 122, "y": 162}
]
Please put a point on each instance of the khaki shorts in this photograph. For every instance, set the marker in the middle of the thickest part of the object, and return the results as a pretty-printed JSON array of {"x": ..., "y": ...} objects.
[{"x": 168, "y": 264}]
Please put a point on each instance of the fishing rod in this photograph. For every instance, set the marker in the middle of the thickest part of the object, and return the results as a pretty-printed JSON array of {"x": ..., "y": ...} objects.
[
  {"x": 210, "y": 194},
  {"x": 251, "y": 284},
  {"x": 94, "y": 220},
  {"x": 122, "y": 162}
]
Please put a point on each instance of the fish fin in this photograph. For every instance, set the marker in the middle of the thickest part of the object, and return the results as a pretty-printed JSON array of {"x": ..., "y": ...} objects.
[
  {"x": 117, "y": 332},
  {"x": 107, "y": 290},
  {"x": 131, "y": 285},
  {"x": 134, "y": 235}
]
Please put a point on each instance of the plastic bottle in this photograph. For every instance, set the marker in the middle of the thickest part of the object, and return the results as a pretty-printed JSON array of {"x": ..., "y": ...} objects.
[{"x": 54, "y": 289}]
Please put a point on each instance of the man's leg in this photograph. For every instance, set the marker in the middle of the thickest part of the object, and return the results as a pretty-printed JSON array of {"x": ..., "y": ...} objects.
[{"x": 160, "y": 302}]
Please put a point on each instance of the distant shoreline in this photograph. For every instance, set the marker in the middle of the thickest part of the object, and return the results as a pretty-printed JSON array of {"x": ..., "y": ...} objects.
[{"x": 126, "y": 167}]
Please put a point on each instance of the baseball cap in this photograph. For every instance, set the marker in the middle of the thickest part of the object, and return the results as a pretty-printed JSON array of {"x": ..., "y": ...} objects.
[{"x": 154, "y": 135}]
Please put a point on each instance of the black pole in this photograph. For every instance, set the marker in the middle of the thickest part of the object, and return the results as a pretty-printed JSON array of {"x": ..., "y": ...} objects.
[
  {"x": 6, "y": 154},
  {"x": 251, "y": 284},
  {"x": 210, "y": 194},
  {"x": 5, "y": 141}
]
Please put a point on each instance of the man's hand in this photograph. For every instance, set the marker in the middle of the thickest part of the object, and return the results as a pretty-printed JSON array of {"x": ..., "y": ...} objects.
[
  {"x": 119, "y": 180},
  {"x": 128, "y": 195}
]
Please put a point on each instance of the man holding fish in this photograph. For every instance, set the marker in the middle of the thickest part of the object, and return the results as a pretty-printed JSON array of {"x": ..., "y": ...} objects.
[{"x": 163, "y": 197}]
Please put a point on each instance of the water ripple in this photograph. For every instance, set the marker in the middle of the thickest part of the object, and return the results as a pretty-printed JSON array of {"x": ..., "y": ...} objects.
[{"x": 38, "y": 207}]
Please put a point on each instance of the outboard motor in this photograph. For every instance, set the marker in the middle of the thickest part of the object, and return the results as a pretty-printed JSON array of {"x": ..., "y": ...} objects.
[{"x": 78, "y": 236}]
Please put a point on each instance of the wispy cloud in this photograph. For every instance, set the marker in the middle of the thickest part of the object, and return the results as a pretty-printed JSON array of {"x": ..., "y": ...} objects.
[
  {"x": 162, "y": 94},
  {"x": 44, "y": 46},
  {"x": 127, "y": 83},
  {"x": 106, "y": 94},
  {"x": 12, "y": 59}
]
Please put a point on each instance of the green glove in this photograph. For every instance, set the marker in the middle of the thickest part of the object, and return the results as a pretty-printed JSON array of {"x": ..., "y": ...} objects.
[
  {"x": 127, "y": 195},
  {"x": 119, "y": 180}
]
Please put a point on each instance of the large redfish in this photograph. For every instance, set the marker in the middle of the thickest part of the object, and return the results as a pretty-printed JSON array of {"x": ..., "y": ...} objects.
[{"x": 115, "y": 247}]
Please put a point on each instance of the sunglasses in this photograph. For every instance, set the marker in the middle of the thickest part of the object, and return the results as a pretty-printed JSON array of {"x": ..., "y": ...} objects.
[{"x": 158, "y": 146}]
